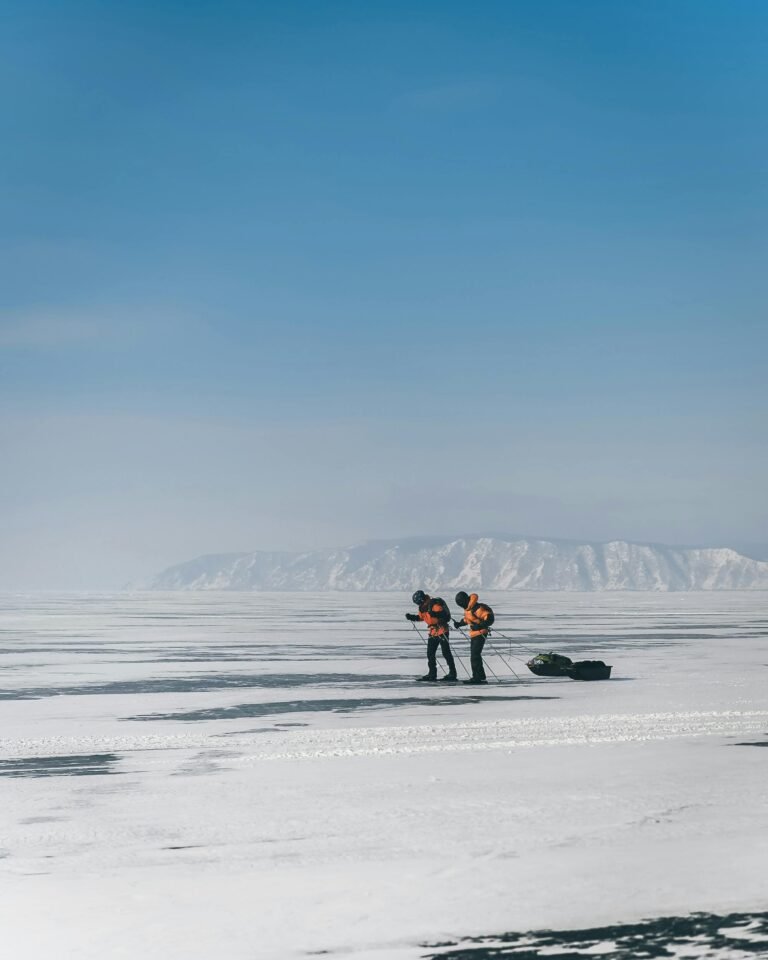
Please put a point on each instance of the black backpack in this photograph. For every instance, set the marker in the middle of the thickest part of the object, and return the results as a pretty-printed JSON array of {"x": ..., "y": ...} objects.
[
  {"x": 491, "y": 618},
  {"x": 445, "y": 616}
]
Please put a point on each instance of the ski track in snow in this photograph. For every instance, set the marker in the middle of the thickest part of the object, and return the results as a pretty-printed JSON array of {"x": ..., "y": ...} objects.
[
  {"x": 512, "y": 734},
  {"x": 434, "y": 738}
]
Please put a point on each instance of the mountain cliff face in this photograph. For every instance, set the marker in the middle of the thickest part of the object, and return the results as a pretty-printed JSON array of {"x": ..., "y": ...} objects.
[{"x": 470, "y": 563}]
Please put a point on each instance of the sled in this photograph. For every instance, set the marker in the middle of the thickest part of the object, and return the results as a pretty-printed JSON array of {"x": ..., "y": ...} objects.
[
  {"x": 550, "y": 665},
  {"x": 556, "y": 665},
  {"x": 590, "y": 670}
]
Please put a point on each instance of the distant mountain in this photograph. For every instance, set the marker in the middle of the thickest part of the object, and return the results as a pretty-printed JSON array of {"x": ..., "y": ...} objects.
[
  {"x": 493, "y": 563},
  {"x": 755, "y": 551}
]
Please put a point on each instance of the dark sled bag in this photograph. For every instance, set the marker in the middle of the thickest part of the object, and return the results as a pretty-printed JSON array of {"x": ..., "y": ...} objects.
[
  {"x": 589, "y": 670},
  {"x": 550, "y": 665}
]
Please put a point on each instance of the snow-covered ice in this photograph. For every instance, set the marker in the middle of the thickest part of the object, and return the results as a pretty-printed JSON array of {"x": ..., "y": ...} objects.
[{"x": 227, "y": 775}]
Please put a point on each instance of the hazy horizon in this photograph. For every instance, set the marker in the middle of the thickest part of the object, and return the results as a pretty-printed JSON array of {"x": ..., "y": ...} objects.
[
  {"x": 290, "y": 276},
  {"x": 438, "y": 538}
]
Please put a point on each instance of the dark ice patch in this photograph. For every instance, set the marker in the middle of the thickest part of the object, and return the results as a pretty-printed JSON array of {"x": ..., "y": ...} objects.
[
  {"x": 285, "y": 651},
  {"x": 33, "y": 820},
  {"x": 82, "y": 765},
  {"x": 240, "y": 733},
  {"x": 202, "y": 684},
  {"x": 324, "y": 706},
  {"x": 699, "y": 935}
]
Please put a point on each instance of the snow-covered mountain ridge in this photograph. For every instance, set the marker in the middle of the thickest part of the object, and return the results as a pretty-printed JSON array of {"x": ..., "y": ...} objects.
[{"x": 468, "y": 563}]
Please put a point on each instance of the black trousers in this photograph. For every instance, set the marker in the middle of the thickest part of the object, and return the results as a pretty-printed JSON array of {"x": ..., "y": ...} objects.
[
  {"x": 476, "y": 645},
  {"x": 432, "y": 644}
]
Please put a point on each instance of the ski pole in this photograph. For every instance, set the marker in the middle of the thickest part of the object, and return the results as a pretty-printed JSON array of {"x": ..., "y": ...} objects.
[
  {"x": 455, "y": 655},
  {"x": 421, "y": 637},
  {"x": 498, "y": 653},
  {"x": 511, "y": 640},
  {"x": 494, "y": 649},
  {"x": 506, "y": 664}
]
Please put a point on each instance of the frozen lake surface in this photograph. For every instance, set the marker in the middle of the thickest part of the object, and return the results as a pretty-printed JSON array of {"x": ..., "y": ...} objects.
[{"x": 224, "y": 775}]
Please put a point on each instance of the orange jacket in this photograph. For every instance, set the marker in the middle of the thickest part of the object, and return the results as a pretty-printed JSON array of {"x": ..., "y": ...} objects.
[
  {"x": 435, "y": 613},
  {"x": 478, "y": 617}
]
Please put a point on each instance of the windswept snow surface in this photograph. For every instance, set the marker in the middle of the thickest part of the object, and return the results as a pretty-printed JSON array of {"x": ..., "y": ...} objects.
[{"x": 227, "y": 775}]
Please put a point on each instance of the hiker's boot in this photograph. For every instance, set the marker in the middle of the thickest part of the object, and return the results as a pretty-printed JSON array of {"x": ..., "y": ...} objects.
[
  {"x": 449, "y": 678},
  {"x": 429, "y": 677}
]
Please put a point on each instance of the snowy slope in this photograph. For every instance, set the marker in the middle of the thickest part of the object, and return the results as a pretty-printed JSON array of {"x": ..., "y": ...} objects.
[{"x": 470, "y": 563}]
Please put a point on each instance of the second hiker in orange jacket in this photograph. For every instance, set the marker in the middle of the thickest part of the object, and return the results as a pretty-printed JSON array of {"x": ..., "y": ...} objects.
[{"x": 479, "y": 618}]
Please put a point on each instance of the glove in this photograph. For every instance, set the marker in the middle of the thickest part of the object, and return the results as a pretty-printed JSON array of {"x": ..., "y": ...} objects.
[
  {"x": 458, "y": 623},
  {"x": 411, "y": 616}
]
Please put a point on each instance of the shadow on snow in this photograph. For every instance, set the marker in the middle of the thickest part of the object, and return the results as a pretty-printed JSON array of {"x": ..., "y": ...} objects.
[{"x": 325, "y": 706}]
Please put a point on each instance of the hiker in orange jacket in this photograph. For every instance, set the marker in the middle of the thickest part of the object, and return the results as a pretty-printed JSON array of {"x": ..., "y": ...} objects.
[
  {"x": 479, "y": 618},
  {"x": 435, "y": 613}
]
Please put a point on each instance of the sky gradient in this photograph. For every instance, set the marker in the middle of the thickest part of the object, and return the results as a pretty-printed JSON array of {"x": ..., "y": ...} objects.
[{"x": 288, "y": 275}]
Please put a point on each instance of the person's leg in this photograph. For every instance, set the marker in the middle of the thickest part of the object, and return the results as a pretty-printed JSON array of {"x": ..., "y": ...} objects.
[
  {"x": 445, "y": 648},
  {"x": 476, "y": 645},
  {"x": 432, "y": 645}
]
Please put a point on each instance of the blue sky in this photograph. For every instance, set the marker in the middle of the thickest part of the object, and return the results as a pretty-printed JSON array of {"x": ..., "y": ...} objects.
[{"x": 295, "y": 274}]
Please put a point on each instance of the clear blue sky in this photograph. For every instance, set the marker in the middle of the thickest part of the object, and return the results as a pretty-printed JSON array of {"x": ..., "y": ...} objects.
[{"x": 293, "y": 274}]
